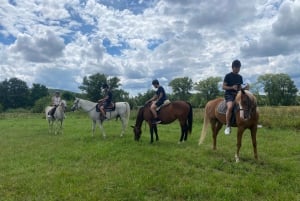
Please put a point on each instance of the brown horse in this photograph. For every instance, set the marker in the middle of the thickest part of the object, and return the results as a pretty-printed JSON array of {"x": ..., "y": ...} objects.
[
  {"x": 180, "y": 110},
  {"x": 246, "y": 117}
]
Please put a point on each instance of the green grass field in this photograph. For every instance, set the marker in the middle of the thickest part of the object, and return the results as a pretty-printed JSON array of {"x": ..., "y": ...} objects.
[{"x": 35, "y": 165}]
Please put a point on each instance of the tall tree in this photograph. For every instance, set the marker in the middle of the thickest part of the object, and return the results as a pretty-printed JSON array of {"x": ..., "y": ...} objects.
[
  {"x": 141, "y": 99},
  {"x": 4, "y": 99},
  {"x": 14, "y": 93},
  {"x": 279, "y": 88},
  {"x": 37, "y": 91},
  {"x": 92, "y": 86},
  {"x": 181, "y": 88},
  {"x": 208, "y": 88}
]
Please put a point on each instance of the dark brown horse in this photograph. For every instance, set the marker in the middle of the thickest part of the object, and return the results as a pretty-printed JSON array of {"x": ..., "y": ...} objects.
[
  {"x": 246, "y": 116},
  {"x": 180, "y": 110}
]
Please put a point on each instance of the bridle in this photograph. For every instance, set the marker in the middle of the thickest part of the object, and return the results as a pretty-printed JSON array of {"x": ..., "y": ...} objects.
[{"x": 75, "y": 105}]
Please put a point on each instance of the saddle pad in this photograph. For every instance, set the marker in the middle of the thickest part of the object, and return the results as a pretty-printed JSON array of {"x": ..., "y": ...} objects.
[
  {"x": 97, "y": 108},
  {"x": 222, "y": 107},
  {"x": 166, "y": 102}
]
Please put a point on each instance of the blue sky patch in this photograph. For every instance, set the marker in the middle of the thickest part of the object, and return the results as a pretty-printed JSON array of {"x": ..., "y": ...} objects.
[{"x": 153, "y": 43}]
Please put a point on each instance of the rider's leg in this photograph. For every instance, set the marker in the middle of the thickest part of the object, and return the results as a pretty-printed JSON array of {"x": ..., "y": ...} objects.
[
  {"x": 102, "y": 113},
  {"x": 229, "y": 105}
]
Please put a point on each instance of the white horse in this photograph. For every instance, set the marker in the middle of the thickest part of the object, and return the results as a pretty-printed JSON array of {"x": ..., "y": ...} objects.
[
  {"x": 55, "y": 124},
  {"x": 122, "y": 110}
]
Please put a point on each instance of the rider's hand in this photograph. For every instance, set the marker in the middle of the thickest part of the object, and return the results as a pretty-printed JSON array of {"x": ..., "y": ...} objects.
[
  {"x": 245, "y": 86},
  {"x": 235, "y": 87}
]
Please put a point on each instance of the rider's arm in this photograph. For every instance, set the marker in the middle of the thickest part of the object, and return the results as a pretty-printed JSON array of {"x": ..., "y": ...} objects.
[{"x": 152, "y": 99}]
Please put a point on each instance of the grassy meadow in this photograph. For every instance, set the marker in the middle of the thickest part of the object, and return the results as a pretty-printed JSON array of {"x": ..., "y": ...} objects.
[{"x": 36, "y": 165}]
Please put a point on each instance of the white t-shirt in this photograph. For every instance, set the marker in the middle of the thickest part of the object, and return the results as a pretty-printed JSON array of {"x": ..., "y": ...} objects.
[{"x": 56, "y": 100}]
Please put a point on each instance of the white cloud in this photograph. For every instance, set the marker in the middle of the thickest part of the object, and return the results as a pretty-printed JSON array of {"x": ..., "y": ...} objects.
[{"x": 46, "y": 41}]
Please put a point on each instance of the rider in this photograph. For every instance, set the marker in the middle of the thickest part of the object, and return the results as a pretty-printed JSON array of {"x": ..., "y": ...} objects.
[
  {"x": 231, "y": 84},
  {"x": 55, "y": 101},
  {"x": 158, "y": 99},
  {"x": 105, "y": 101}
]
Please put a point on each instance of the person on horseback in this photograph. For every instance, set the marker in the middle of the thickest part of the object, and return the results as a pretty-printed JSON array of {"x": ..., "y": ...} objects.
[
  {"x": 55, "y": 101},
  {"x": 232, "y": 84},
  {"x": 105, "y": 101},
  {"x": 158, "y": 99}
]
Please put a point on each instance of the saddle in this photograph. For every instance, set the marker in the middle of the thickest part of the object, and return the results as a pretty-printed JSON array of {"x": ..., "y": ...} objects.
[
  {"x": 221, "y": 109},
  {"x": 166, "y": 102},
  {"x": 111, "y": 107}
]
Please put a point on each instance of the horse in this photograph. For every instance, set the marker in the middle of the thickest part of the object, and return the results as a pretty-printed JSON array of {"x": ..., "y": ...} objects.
[
  {"x": 246, "y": 117},
  {"x": 122, "y": 110},
  {"x": 180, "y": 110},
  {"x": 56, "y": 123}
]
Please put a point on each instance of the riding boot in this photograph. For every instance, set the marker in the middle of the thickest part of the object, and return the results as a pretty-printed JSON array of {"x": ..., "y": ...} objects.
[
  {"x": 102, "y": 117},
  {"x": 51, "y": 113}
]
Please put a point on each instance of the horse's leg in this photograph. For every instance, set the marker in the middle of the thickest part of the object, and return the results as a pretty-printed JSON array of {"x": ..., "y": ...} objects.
[
  {"x": 102, "y": 129},
  {"x": 217, "y": 128},
  {"x": 55, "y": 127},
  {"x": 253, "y": 136},
  {"x": 183, "y": 133},
  {"x": 61, "y": 126},
  {"x": 151, "y": 134},
  {"x": 124, "y": 125},
  {"x": 155, "y": 131},
  {"x": 93, "y": 127},
  {"x": 239, "y": 143},
  {"x": 186, "y": 130}
]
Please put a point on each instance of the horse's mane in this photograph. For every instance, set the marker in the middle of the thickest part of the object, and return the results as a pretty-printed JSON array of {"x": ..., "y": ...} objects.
[{"x": 140, "y": 113}]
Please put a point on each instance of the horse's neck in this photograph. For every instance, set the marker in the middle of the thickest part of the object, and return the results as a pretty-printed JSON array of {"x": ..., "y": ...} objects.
[
  {"x": 140, "y": 118},
  {"x": 87, "y": 105},
  {"x": 59, "y": 112}
]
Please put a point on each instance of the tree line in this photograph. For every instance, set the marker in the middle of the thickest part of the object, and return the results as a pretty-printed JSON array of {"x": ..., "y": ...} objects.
[{"x": 270, "y": 89}]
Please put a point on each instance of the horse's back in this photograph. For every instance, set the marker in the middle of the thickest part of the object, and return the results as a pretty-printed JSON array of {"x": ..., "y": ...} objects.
[
  {"x": 211, "y": 106},
  {"x": 123, "y": 109},
  {"x": 174, "y": 110}
]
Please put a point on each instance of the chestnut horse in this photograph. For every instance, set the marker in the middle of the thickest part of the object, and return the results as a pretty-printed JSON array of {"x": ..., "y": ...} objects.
[
  {"x": 246, "y": 117},
  {"x": 180, "y": 110}
]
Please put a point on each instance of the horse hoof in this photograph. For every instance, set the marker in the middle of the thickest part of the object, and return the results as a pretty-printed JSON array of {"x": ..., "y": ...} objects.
[{"x": 237, "y": 159}]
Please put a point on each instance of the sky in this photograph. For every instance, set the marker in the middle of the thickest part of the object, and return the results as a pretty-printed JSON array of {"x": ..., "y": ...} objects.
[{"x": 57, "y": 43}]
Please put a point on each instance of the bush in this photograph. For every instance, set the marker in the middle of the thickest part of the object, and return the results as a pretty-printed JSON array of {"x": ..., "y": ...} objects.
[{"x": 40, "y": 104}]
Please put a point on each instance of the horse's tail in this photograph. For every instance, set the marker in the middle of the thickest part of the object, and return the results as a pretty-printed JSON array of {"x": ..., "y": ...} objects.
[
  {"x": 190, "y": 118},
  {"x": 205, "y": 126},
  {"x": 127, "y": 112}
]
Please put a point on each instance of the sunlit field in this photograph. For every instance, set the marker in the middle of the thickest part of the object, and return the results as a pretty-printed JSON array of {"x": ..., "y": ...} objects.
[{"x": 36, "y": 165}]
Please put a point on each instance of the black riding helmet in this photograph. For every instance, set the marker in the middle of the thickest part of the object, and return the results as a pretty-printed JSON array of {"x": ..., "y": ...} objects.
[{"x": 155, "y": 82}]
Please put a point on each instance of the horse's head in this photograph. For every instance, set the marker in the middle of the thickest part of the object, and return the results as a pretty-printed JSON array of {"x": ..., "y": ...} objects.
[
  {"x": 247, "y": 104},
  {"x": 138, "y": 124},
  {"x": 76, "y": 105},
  {"x": 137, "y": 132},
  {"x": 63, "y": 104}
]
